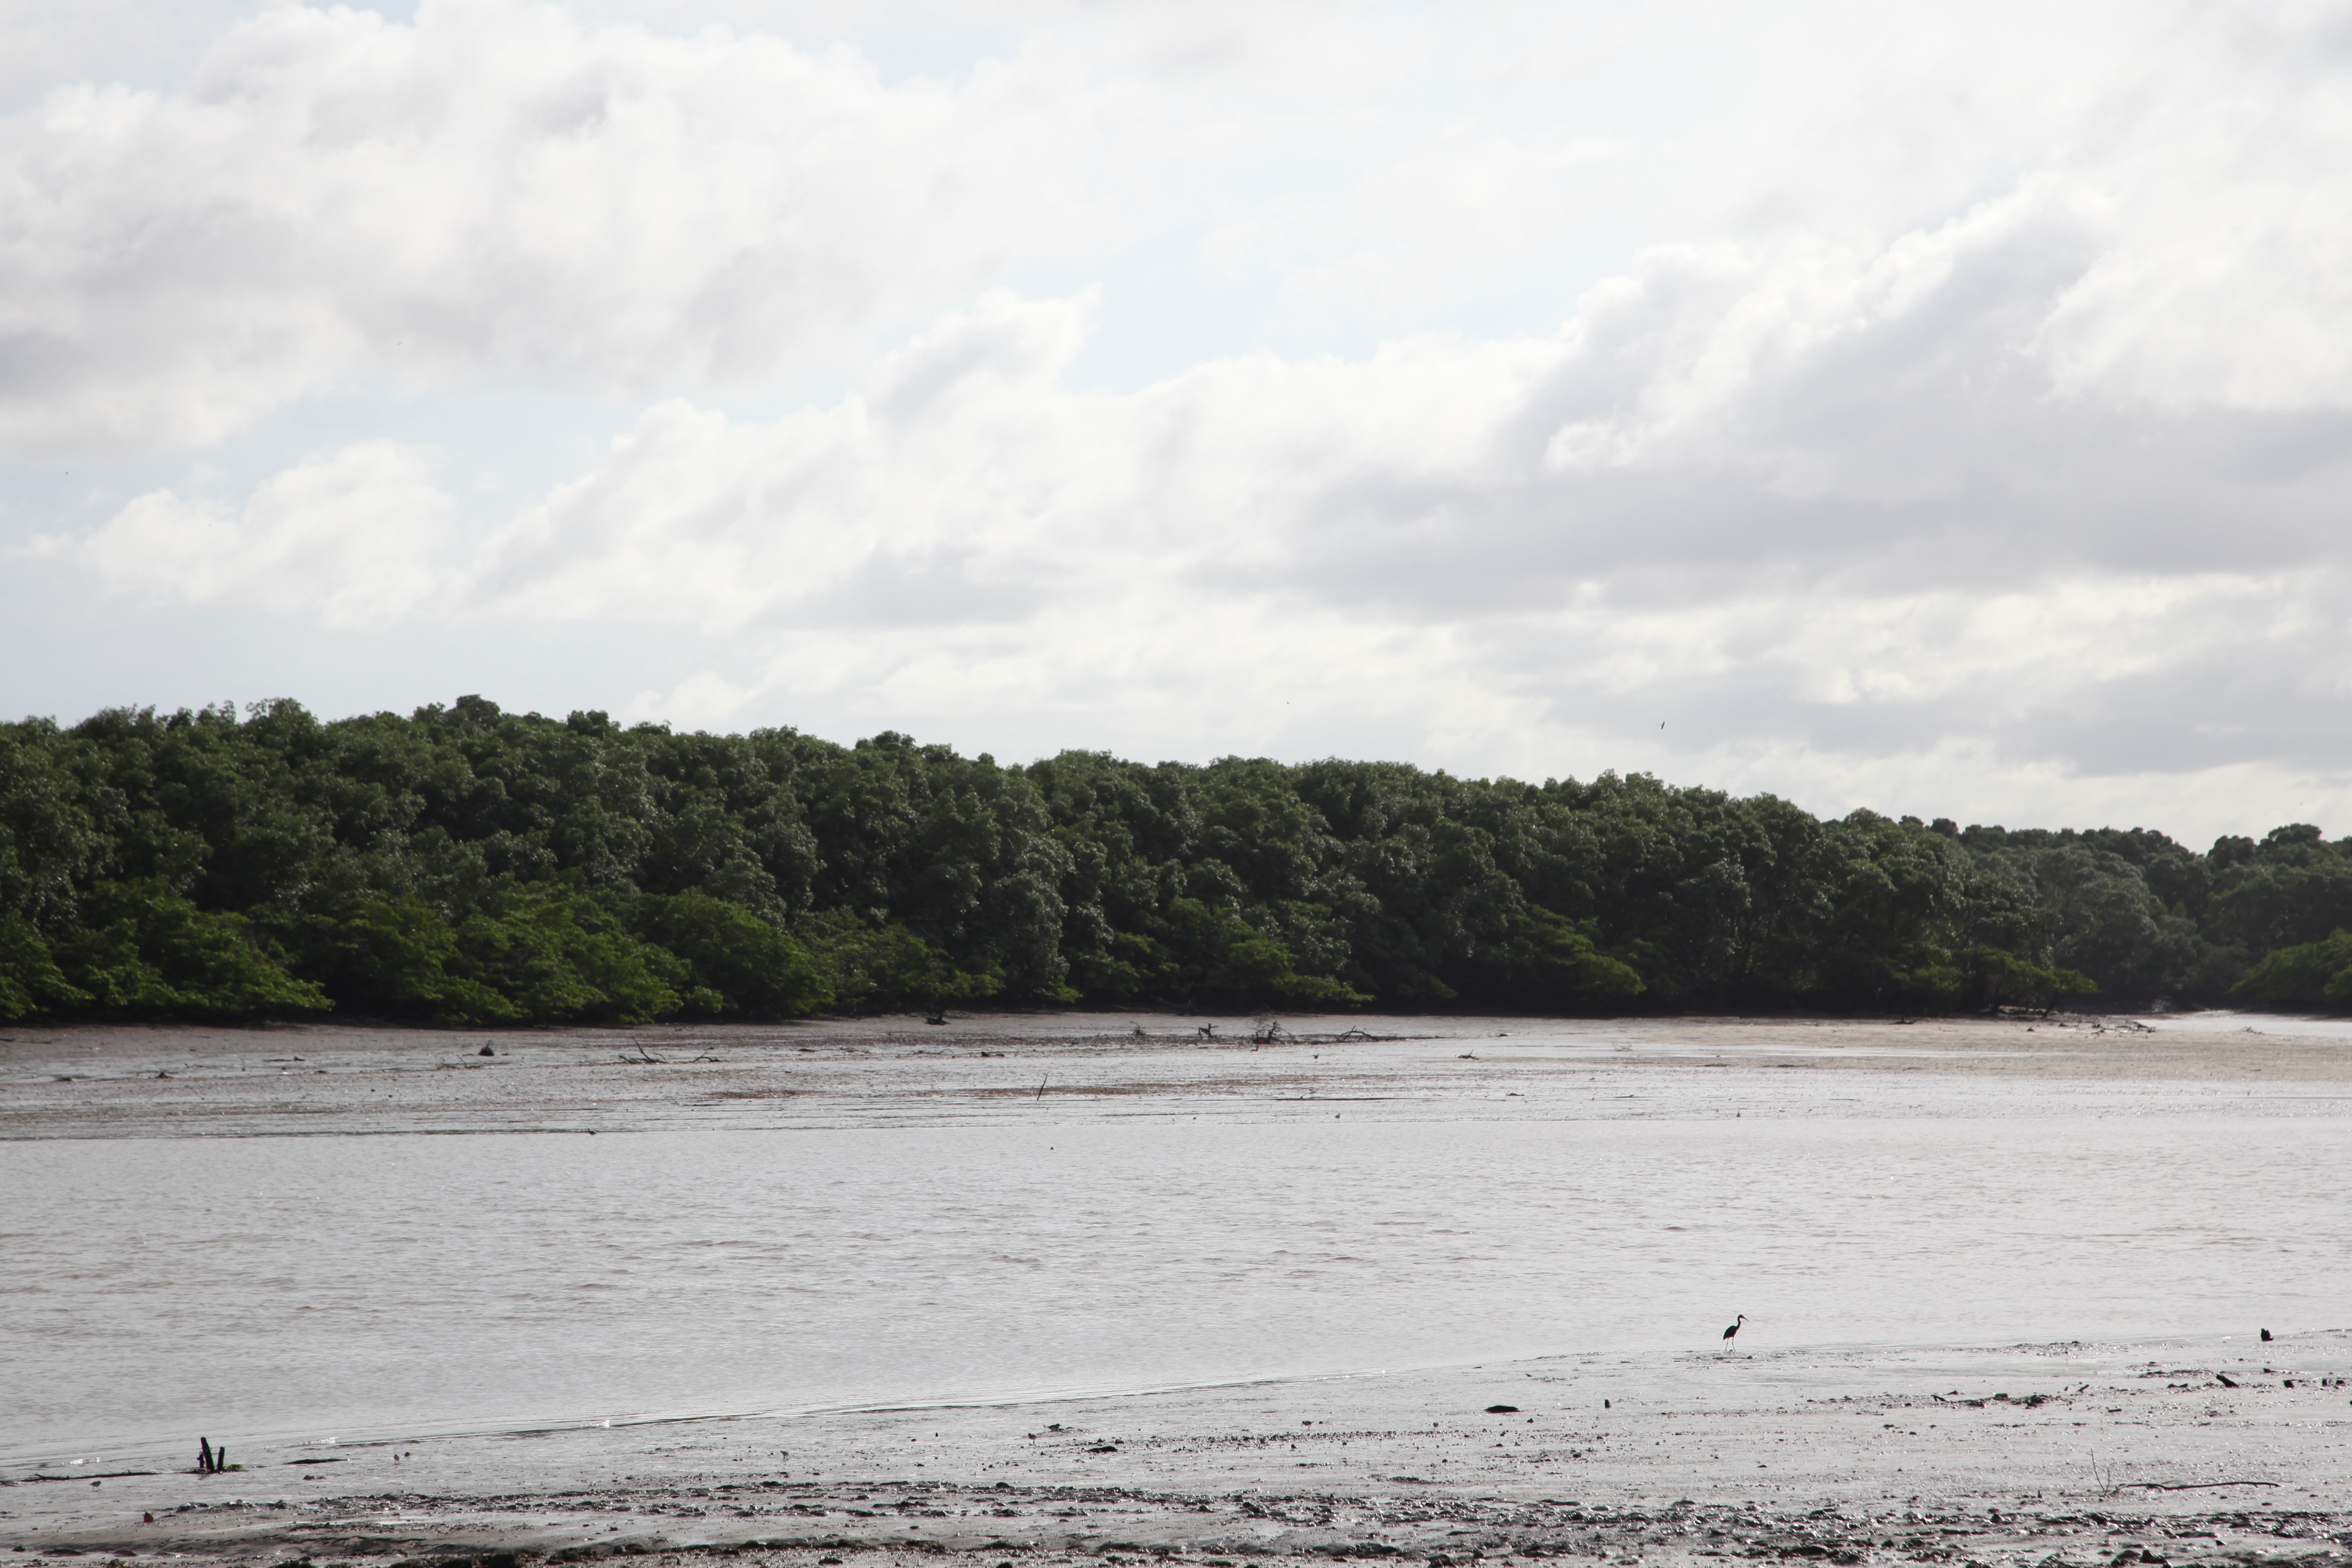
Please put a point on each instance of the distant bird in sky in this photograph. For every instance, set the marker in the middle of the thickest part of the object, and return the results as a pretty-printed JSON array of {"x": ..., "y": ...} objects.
[{"x": 1735, "y": 1327}]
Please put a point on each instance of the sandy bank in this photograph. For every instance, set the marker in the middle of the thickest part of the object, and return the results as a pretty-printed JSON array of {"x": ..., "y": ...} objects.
[
  {"x": 2080, "y": 1453},
  {"x": 100, "y": 1081}
]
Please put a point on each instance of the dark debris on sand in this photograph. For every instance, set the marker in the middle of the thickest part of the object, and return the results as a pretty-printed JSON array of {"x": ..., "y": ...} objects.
[{"x": 890, "y": 1524}]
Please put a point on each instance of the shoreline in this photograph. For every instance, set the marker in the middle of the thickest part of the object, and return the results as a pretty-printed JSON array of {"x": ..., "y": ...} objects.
[
  {"x": 2001, "y": 1457},
  {"x": 127, "y": 1080},
  {"x": 1055, "y": 1018}
]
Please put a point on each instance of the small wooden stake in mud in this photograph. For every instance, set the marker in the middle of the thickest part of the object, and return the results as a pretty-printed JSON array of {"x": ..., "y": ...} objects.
[{"x": 210, "y": 1462}]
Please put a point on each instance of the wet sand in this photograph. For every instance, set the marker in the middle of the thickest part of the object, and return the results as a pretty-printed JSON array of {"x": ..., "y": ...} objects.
[
  {"x": 150, "y": 1082},
  {"x": 2079, "y": 1452},
  {"x": 2064, "y": 1454}
]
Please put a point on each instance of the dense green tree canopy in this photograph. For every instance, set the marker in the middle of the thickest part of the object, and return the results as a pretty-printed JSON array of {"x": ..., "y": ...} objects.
[{"x": 467, "y": 865}]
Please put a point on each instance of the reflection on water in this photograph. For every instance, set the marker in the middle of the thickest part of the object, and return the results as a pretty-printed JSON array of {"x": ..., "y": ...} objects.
[{"x": 318, "y": 1287}]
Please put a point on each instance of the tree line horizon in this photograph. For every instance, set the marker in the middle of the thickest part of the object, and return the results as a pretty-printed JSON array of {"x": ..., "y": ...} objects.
[{"x": 467, "y": 866}]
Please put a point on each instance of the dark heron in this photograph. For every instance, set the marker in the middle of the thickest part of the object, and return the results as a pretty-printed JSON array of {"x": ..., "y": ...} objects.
[{"x": 1735, "y": 1327}]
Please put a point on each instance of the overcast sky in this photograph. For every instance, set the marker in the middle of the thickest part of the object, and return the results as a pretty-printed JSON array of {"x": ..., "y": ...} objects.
[{"x": 1942, "y": 409}]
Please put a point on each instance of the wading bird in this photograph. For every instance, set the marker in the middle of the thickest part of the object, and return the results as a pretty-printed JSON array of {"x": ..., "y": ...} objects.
[{"x": 1735, "y": 1327}]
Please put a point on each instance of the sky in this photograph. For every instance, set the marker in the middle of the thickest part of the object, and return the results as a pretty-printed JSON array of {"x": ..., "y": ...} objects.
[{"x": 1941, "y": 409}]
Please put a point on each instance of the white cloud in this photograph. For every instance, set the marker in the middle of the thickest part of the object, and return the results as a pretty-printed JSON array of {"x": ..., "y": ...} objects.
[
  {"x": 941, "y": 488},
  {"x": 349, "y": 539},
  {"x": 510, "y": 192},
  {"x": 1841, "y": 517},
  {"x": 1963, "y": 401},
  {"x": 497, "y": 193}
]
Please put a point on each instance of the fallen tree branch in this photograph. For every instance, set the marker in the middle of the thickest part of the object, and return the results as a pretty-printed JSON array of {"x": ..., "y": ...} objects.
[{"x": 2197, "y": 1486}]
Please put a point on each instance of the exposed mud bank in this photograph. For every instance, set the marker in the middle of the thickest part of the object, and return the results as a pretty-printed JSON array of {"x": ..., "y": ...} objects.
[
  {"x": 161, "y": 1081},
  {"x": 2065, "y": 1455}
]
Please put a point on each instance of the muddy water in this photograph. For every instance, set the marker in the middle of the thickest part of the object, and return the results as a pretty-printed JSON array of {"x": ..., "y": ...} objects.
[{"x": 348, "y": 1286}]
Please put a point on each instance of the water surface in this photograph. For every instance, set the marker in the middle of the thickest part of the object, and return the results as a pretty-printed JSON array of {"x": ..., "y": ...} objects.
[{"x": 354, "y": 1286}]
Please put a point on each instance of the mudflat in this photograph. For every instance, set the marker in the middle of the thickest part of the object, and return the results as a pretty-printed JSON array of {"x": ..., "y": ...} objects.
[
  {"x": 2077, "y": 1452},
  {"x": 159, "y": 1081}
]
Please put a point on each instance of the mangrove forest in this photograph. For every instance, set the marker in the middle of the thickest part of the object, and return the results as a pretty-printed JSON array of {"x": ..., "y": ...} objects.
[{"x": 463, "y": 865}]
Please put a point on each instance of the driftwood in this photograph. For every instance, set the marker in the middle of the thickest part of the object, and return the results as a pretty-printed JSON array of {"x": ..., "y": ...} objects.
[{"x": 2195, "y": 1486}]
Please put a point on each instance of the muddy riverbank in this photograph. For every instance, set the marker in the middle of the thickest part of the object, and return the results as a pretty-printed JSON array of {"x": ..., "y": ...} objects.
[{"x": 2087, "y": 1453}]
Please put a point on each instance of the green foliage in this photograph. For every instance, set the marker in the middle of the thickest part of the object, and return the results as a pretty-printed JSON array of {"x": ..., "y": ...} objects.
[
  {"x": 1990, "y": 977},
  {"x": 868, "y": 967},
  {"x": 1557, "y": 966},
  {"x": 745, "y": 964},
  {"x": 143, "y": 949},
  {"x": 1219, "y": 959},
  {"x": 390, "y": 955},
  {"x": 554, "y": 953},
  {"x": 562, "y": 954},
  {"x": 30, "y": 981},
  {"x": 463, "y": 865},
  {"x": 2314, "y": 975}
]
